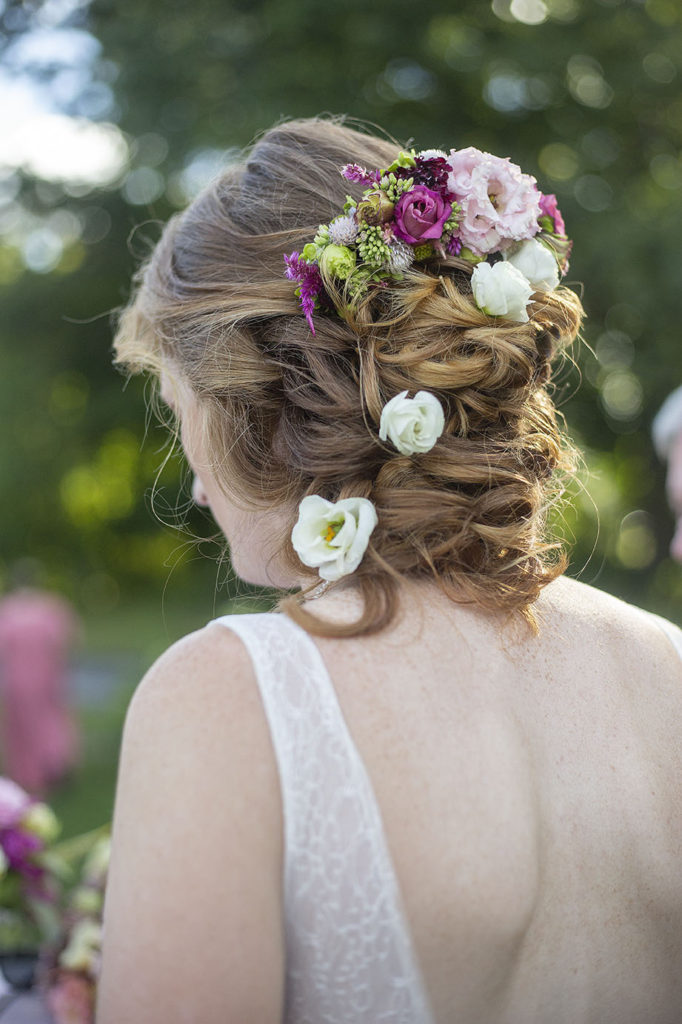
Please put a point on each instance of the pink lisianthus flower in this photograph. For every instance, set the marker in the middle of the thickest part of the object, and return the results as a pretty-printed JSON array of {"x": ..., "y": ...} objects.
[
  {"x": 499, "y": 203},
  {"x": 549, "y": 208},
  {"x": 420, "y": 215},
  {"x": 13, "y": 802}
]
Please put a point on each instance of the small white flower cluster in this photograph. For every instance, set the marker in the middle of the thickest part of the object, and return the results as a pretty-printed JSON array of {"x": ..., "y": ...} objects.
[
  {"x": 505, "y": 288},
  {"x": 332, "y": 537},
  {"x": 401, "y": 256}
]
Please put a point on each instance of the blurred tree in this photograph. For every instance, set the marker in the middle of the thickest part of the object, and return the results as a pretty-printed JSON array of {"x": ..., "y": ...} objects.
[{"x": 585, "y": 94}]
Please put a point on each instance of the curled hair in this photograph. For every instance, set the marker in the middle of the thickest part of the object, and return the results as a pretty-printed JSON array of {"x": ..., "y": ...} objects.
[{"x": 287, "y": 413}]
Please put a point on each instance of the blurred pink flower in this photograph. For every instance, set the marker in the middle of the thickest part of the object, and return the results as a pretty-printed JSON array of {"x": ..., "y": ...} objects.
[
  {"x": 71, "y": 999},
  {"x": 13, "y": 802}
]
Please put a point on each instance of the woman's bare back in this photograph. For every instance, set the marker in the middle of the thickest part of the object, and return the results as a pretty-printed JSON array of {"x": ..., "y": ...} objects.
[{"x": 530, "y": 790}]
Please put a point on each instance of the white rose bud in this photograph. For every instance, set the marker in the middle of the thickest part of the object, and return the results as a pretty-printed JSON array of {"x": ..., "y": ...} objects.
[
  {"x": 500, "y": 289},
  {"x": 333, "y": 536},
  {"x": 412, "y": 424},
  {"x": 537, "y": 263}
]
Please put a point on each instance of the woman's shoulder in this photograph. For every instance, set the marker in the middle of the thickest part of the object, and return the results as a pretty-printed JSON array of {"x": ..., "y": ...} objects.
[
  {"x": 593, "y": 613},
  {"x": 198, "y": 710},
  {"x": 197, "y": 785},
  {"x": 198, "y": 669}
]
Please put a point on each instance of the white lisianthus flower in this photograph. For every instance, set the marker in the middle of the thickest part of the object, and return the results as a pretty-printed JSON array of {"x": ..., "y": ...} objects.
[
  {"x": 333, "y": 536},
  {"x": 500, "y": 289},
  {"x": 412, "y": 424},
  {"x": 537, "y": 263}
]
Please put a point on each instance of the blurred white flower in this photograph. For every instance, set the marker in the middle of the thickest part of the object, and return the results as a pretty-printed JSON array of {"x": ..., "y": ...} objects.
[
  {"x": 97, "y": 861},
  {"x": 83, "y": 950},
  {"x": 13, "y": 802}
]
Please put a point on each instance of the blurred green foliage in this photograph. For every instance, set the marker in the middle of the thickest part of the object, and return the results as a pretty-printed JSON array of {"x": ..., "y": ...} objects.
[{"x": 585, "y": 94}]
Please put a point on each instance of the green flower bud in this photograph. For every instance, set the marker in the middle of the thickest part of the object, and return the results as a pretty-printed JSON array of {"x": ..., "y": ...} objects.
[
  {"x": 423, "y": 251},
  {"x": 309, "y": 252},
  {"x": 471, "y": 257},
  {"x": 322, "y": 236},
  {"x": 337, "y": 261},
  {"x": 375, "y": 208},
  {"x": 372, "y": 248},
  {"x": 41, "y": 821},
  {"x": 404, "y": 159}
]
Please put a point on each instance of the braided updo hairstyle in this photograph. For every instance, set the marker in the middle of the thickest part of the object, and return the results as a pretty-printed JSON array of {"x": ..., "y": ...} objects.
[{"x": 287, "y": 413}]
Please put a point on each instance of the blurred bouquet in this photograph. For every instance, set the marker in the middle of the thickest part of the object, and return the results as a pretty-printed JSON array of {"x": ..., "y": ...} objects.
[
  {"x": 30, "y": 873},
  {"x": 71, "y": 974},
  {"x": 51, "y": 898}
]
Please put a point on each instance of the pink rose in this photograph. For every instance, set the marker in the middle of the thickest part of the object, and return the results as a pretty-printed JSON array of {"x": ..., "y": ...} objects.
[
  {"x": 549, "y": 208},
  {"x": 499, "y": 203},
  {"x": 420, "y": 215}
]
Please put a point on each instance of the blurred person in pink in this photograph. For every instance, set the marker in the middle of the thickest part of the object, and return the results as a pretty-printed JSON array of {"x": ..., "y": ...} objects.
[
  {"x": 38, "y": 735},
  {"x": 667, "y": 435}
]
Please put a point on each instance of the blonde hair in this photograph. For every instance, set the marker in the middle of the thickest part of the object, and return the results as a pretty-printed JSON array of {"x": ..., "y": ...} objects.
[{"x": 287, "y": 413}]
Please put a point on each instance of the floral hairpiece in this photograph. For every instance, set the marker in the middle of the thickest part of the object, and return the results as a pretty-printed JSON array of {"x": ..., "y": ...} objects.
[{"x": 430, "y": 205}]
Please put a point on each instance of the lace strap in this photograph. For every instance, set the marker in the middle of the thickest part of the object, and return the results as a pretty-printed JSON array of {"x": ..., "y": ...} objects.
[
  {"x": 349, "y": 949},
  {"x": 673, "y": 632}
]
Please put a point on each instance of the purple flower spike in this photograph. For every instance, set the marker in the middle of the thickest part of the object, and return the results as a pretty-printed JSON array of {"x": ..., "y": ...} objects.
[
  {"x": 454, "y": 246},
  {"x": 309, "y": 283},
  {"x": 358, "y": 175}
]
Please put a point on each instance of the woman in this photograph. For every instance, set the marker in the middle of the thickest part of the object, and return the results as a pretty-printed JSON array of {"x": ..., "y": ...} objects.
[{"x": 443, "y": 783}]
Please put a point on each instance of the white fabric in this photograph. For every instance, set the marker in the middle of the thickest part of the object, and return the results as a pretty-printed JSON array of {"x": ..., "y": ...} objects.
[
  {"x": 349, "y": 953},
  {"x": 674, "y": 633}
]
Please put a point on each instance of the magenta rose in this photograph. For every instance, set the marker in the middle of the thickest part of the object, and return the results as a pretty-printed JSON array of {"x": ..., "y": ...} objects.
[
  {"x": 420, "y": 215},
  {"x": 549, "y": 207}
]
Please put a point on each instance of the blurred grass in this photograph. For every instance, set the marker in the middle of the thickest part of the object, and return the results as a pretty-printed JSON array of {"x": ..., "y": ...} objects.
[{"x": 126, "y": 639}]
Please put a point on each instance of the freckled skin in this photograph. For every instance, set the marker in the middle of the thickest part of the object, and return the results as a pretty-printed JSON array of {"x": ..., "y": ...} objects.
[{"x": 529, "y": 786}]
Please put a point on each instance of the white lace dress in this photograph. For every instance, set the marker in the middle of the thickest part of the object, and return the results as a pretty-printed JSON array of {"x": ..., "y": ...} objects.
[{"x": 349, "y": 953}]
